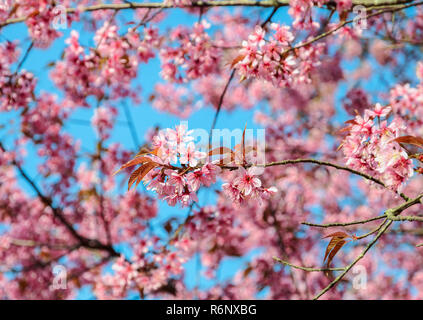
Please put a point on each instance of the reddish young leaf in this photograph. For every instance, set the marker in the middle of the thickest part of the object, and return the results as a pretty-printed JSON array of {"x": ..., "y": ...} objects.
[
  {"x": 335, "y": 250},
  {"x": 143, "y": 151},
  {"x": 133, "y": 177},
  {"x": 140, "y": 173},
  {"x": 339, "y": 234},
  {"x": 416, "y": 141},
  {"x": 134, "y": 162},
  {"x": 343, "y": 16},
  {"x": 155, "y": 151},
  {"x": 151, "y": 97},
  {"x": 335, "y": 244},
  {"x": 237, "y": 59},
  {"x": 147, "y": 168},
  {"x": 33, "y": 14},
  {"x": 220, "y": 151},
  {"x": 351, "y": 121},
  {"x": 330, "y": 246}
]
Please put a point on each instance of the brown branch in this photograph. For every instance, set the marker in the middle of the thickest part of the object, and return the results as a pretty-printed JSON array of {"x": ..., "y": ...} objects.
[
  {"x": 58, "y": 213},
  {"x": 371, "y": 231},
  {"x": 321, "y": 163},
  {"x": 309, "y": 269},
  {"x": 342, "y": 224},
  {"x": 225, "y": 89},
  {"x": 371, "y": 4},
  {"x": 32, "y": 243},
  {"x": 352, "y": 264},
  {"x": 407, "y": 218},
  {"x": 394, "y": 216},
  {"x": 398, "y": 7},
  {"x": 385, "y": 225}
]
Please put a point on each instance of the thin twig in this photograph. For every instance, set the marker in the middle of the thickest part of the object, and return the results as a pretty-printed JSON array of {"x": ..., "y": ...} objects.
[
  {"x": 386, "y": 224},
  {"x": 322, "y": 163},
  {"x": 225, "y": 89},
  {"x": 352, "y": 264},
  {"x": 58, "y": 213},
  {"x": 132, "y": 128},
  {"x": 342, "y": 224},
  {"x": 372, "y": 231},
  {"x": 370, "y": 4},
  {"x": 309, "y": 269}
]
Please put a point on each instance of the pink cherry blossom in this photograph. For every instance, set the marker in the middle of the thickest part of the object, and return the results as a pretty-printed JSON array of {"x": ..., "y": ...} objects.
[
  {"x": 190, "y": 156},
  {"x": 247, "y": 181}
]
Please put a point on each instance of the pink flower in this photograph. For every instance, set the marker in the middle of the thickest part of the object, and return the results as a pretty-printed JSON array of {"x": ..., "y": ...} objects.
[
  {"x": 370, "y": 148},
  {"x": 190, "y": 156},
  {"x": 379, "y": 111},
  {"x": 282, "y": 34},
  {"x": 246, "y": 181},
  {"x": 362, "y": 125},
  {"x": 168, "y": 154},
  {"x": 178, "y": 181},
  {"x": 268, "y": 192},
  {"x": 188, "y": 197},
  {"x": 103, "y": 120},
  {"x": 172, "y": 199},
  {"x": 210, "y": 171},
  {"x": 257, "y": 37},
  {"x": 194, "y": 179},
  {"x": 179, "y": 136},
  {"x": 86, "y": 177},
  {"x": 159, "y": 140},
  {"x": 231, "y": 191}
]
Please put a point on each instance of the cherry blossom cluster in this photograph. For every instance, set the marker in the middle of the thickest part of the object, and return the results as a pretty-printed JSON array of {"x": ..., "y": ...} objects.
[
  {"x": 178, "y": 101},
  {"x": 146, "y": 272},
  {"x": 190, "y": 55},
  {"x": 42, "y": 16},
  {"x": 180, "y": 184},
  {"x": 16, "y": 87},
  {"x": 247, "y": 186},
  {"x": 112, "y": 64},
  {"x": 41, "y": 26},
  {"x": 103, "y": 121},
  {"x": 176, "y": 146},
  {"x": 356, "y": 102},
  {"x": 407, "y": 101},
  {"x": 369, "y": 147},
  {"x": 301, "y": 11},
  {"x": 273, "y": 59},
  {"x": 43, "y": 125}
]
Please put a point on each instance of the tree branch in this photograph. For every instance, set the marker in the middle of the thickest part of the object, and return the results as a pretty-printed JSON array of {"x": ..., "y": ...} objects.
[
  {"x": 352, "y": 264},
  {"x": 310, "y": 269},
  {"x": 57, "y": 212},
  {"x": 371, "y": 4},
  {"x": 341, "y": 224},
  {"x": 321, "y": 163},
  {"x": 390, "y": 212}
]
